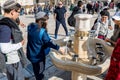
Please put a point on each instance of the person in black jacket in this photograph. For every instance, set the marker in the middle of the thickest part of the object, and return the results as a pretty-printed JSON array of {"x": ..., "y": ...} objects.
[{"x": 76, "y": 10}]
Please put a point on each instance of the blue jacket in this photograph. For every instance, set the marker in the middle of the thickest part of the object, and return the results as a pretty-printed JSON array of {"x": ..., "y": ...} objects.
[{"x": 35, "y": 48}]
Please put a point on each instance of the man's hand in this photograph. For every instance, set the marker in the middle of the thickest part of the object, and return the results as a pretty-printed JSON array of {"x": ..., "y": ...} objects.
[
  {"x": 107, "y": 40},
  {"x": 22, "y": 42},
  {"x": 22, "y": 24},
  {"x": 110, "y": 27},
  {"x": 62, "y": 50}
]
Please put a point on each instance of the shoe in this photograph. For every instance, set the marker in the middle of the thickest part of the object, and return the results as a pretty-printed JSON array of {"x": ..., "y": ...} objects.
[
  {"x": 67, "y": 35},
  {"x": 55, "y": 37}
]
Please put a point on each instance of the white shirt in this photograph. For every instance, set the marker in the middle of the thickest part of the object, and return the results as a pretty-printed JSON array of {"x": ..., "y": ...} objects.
[
  {"x": 11, "y": 52},
  {"x": 101, "y": 28}
]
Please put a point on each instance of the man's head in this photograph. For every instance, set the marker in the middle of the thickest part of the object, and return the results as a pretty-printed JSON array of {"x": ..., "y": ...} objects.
[
  {"x": 12, "y": 9},
  {"x": 104, "y": 15},
  {"x": 60, "y": 4},
  {"x": 80, "y": 4},
  {"x": 41, "y": 19}
]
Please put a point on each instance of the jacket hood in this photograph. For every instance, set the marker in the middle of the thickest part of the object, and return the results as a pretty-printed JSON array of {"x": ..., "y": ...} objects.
[{"x": 32, "y": 27}]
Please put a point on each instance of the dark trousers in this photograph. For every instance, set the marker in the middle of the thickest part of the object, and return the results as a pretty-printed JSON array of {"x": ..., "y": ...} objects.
[
  {"x": 57, "y": 27},
  {"x": 38, "y": 69}
]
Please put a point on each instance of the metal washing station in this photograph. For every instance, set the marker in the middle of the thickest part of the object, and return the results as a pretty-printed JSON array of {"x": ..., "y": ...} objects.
[{"x": 85, "y": 54}]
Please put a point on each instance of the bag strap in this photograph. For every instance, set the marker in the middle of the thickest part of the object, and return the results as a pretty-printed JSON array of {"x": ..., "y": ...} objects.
[{"x": 42, "y": 30}]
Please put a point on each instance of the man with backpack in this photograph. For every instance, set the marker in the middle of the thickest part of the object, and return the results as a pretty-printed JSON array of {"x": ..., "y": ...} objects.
[{"x": 77, "y": 10}]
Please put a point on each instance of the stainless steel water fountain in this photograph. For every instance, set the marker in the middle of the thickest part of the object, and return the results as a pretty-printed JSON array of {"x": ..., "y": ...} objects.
[{"x": 81, "y": 56}]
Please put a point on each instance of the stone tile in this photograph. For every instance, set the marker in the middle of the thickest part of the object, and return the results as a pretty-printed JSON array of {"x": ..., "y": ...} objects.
[{"x": 3, "y": 76}]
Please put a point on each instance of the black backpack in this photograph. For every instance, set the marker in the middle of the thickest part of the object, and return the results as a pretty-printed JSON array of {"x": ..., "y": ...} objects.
[{"x": 71, "y": 20}]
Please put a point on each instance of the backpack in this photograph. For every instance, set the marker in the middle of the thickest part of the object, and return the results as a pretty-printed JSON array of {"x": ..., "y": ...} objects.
[
  {"x": 47, "y": 49},
  {"x": 71, "y": 20},
  {"x": 94, "y": 24}
]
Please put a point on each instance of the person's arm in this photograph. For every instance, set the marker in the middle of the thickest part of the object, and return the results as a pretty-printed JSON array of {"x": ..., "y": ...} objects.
[
  {"x": 5, "y": 37},
  {"x": 110, "y": 24},
  {"x": 110, "y": 41},
  {"x": 9, "y": 47},
  {"x": 54, "y": 15},
  {"x": 65, "y": 15},
  {"x": 48, "y": 42},
  {"x": 96, "y": 28},
  {"x": 18, "y": 21}
]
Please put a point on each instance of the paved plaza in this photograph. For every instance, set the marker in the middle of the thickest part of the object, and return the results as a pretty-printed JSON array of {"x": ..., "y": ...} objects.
[{"x": 51, "y": 72}]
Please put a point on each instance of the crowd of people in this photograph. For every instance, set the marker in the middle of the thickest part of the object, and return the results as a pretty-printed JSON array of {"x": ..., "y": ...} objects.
[{"x": 12, "y": 56}]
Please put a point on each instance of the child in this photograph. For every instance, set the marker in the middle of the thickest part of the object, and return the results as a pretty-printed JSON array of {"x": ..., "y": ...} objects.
[{"x": 36, "y": 46}]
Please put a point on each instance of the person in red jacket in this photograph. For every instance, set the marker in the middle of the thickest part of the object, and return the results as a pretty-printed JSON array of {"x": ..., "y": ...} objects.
[{"x": 114, "y": 69}]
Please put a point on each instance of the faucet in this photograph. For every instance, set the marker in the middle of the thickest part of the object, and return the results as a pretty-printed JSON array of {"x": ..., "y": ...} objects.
[
  {"x": 92, "y": 34},
  {"x": 66, "y": 40}
]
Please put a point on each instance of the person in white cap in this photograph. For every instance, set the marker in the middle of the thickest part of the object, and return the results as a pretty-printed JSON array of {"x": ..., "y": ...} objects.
[
  {"x": 116, "y": 34},
  {"x": 11, "y": 40},
  {"x": 38, "y": 42},
  {"x": 114, "y": 69}
]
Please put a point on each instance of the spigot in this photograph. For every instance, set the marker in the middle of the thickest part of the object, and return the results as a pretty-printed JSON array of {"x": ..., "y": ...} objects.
[
  {"x": 68, "y": 41},
  {"x": 67, "y": 38},
  {"x": 100, "y": 51},
  {"x": 75, "y": 58},
  {"x": 71, "y": 32},
  {"x": 92, "y": 34}
]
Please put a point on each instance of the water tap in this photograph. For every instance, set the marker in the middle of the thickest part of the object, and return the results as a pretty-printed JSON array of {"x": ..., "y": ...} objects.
[
  {"x": 75, "y": 58},
  {"x": 66, "y": 40},
  {"x": 92, "y": 34}
]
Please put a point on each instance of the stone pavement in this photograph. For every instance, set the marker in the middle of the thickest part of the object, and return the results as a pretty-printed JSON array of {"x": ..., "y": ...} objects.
[{"x": 51, "y": 72}]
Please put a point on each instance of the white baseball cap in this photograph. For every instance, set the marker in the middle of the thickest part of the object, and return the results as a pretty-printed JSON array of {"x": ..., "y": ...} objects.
[
  {"x": 40, "y": 15},
  {"x": 117, "y": 16}
]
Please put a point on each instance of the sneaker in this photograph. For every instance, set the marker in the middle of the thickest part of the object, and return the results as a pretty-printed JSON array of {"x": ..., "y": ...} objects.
[{"x": 55, "y": 37}]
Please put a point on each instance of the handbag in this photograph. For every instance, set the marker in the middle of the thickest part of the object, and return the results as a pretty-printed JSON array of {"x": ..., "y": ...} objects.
[{"x": 47, "y": 49}]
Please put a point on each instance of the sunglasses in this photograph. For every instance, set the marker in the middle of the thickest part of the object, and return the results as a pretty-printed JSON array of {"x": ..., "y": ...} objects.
[
  {"x": 59, "y": 4},
  {"x": 113, "y": 19},
  {"x": 17, "y": 11}
]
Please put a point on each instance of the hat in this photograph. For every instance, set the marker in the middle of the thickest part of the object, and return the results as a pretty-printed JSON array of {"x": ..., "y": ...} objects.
[
  {"x": 40, "y": 15},
  {"x": 106, "y": 8},
  {"x": 117, "y": 16},
  {"x": 9, "y": 4}
]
